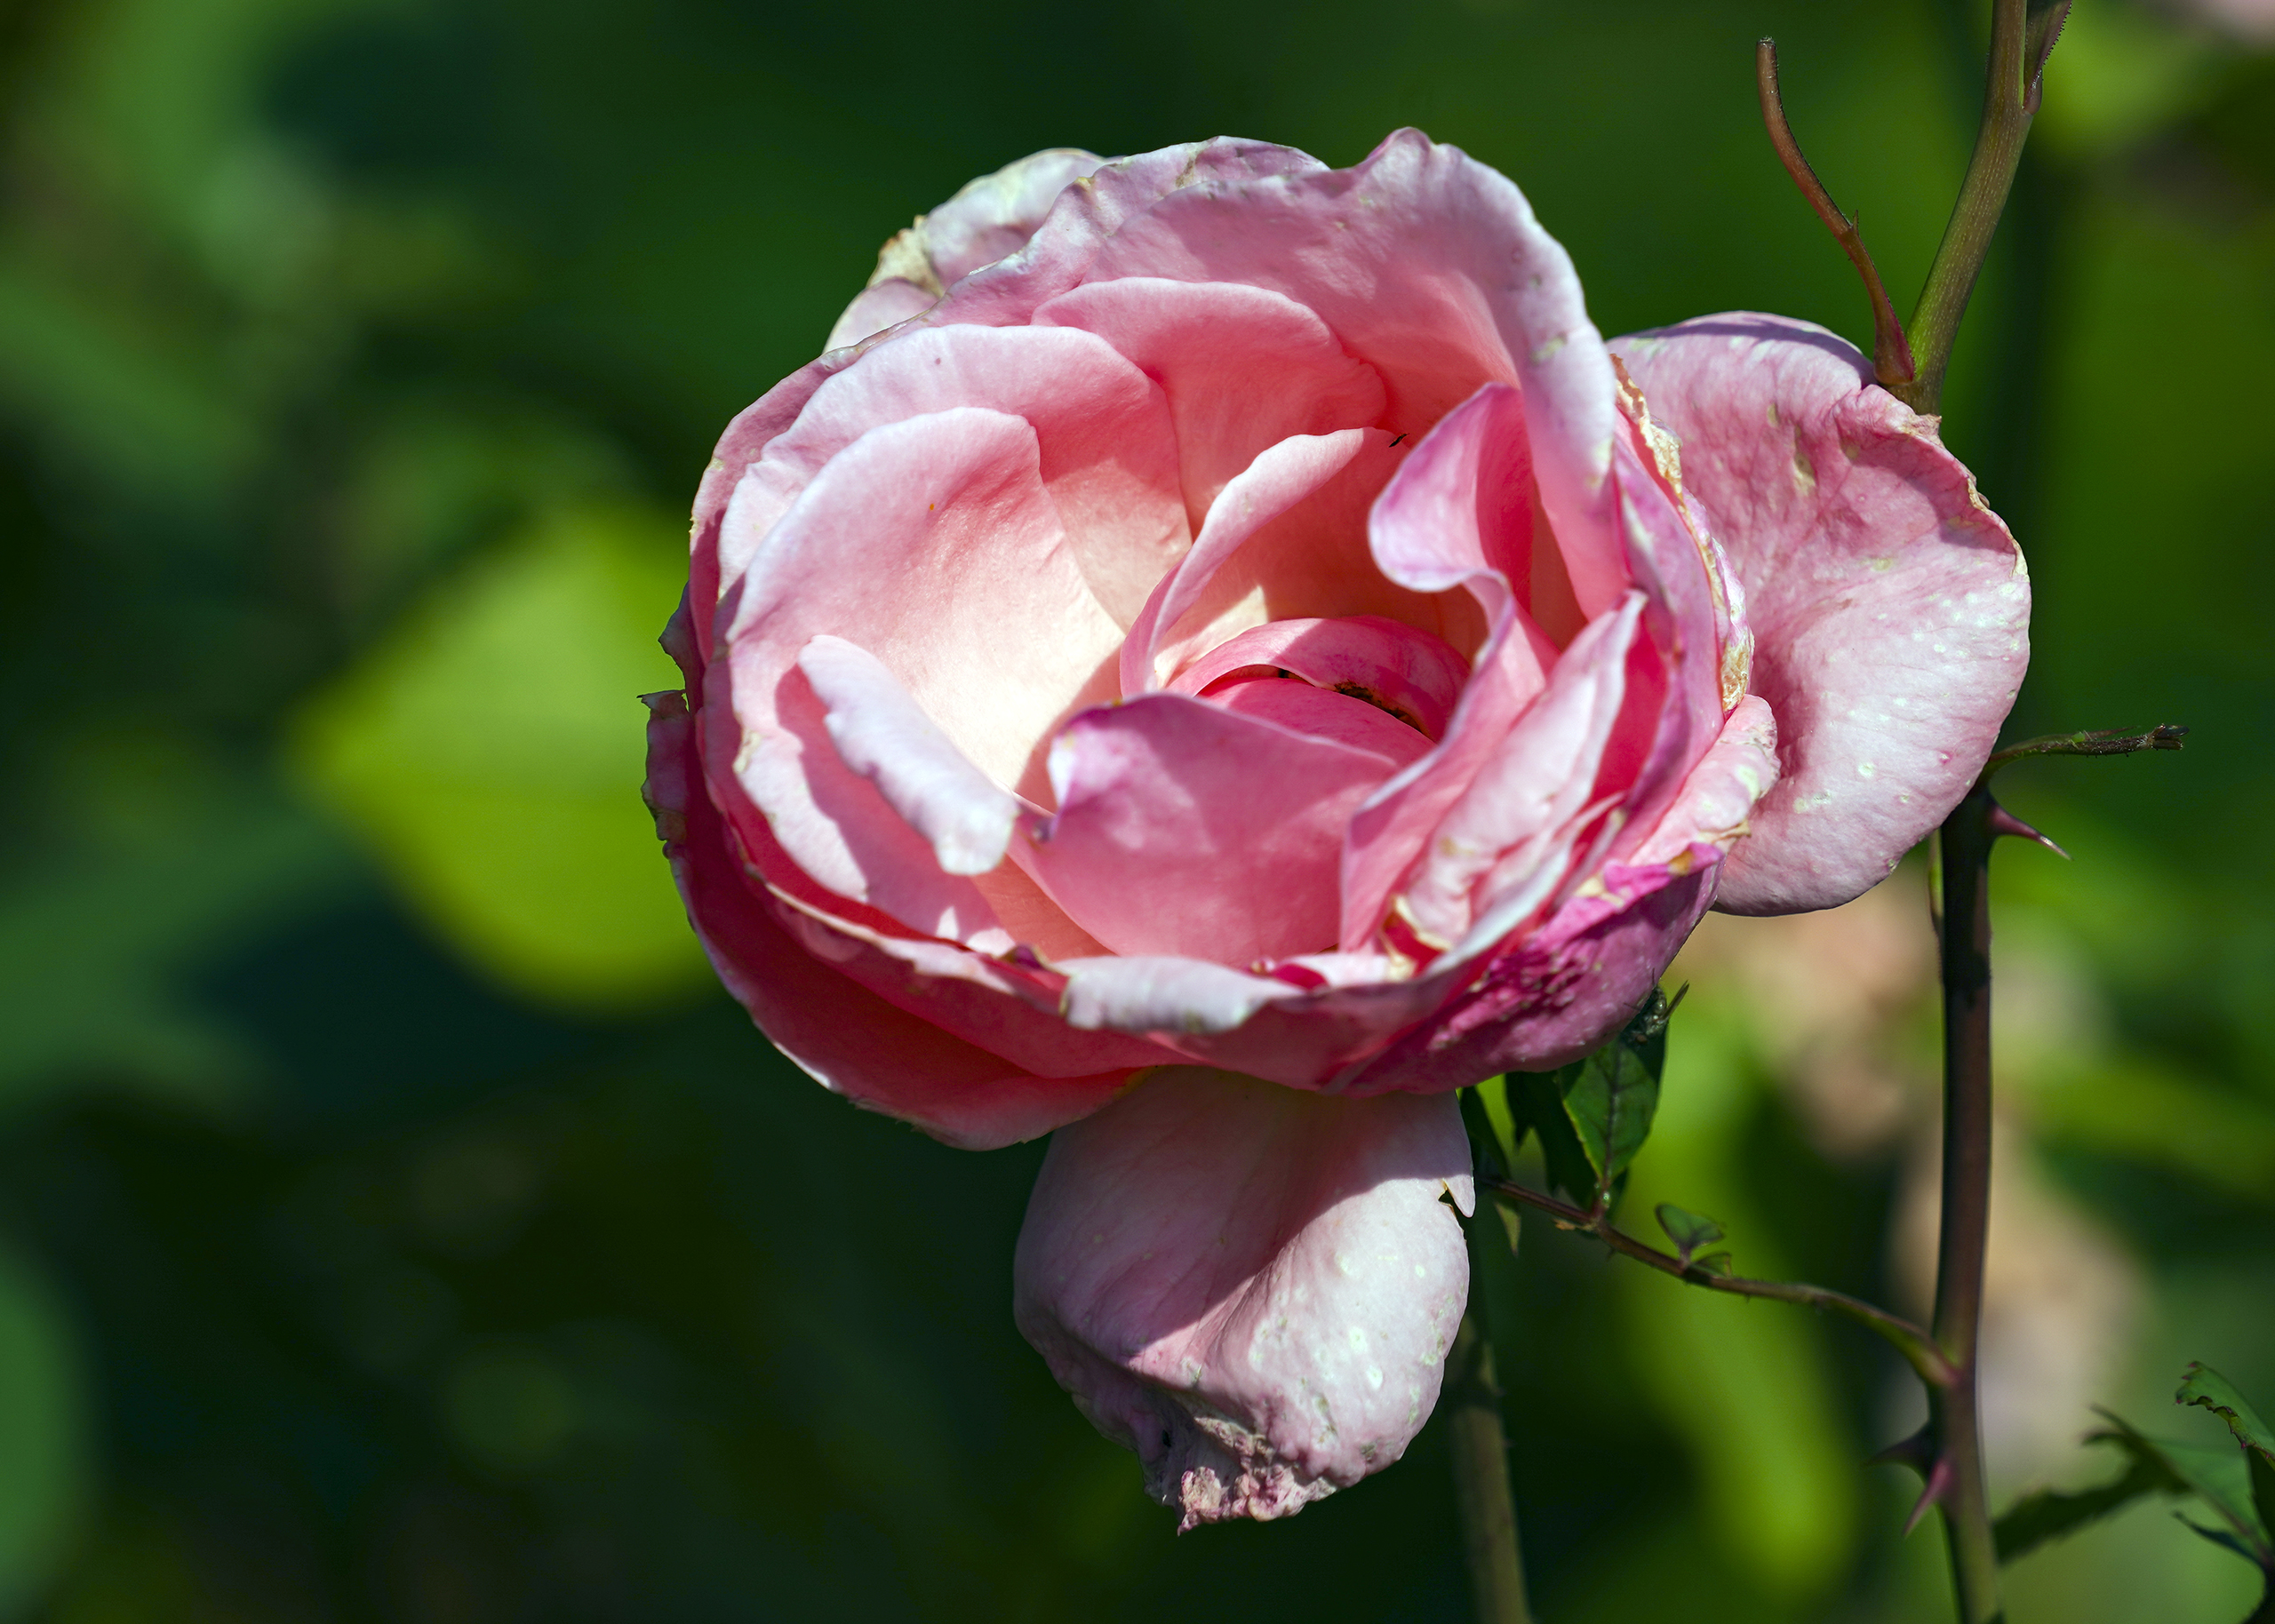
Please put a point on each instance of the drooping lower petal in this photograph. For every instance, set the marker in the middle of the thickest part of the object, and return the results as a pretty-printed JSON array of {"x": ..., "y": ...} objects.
[
  {"x": 1252, "y": 1286},
  {"x": 1890, "y": 605}
]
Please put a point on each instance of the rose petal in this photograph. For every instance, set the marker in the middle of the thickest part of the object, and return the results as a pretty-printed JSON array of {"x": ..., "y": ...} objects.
[
  {"x": 1458, "y": 513},
  {"x": 1243, "y": 368},
  {"x": 1322, "y": 713},
  {"x": 1890, "y": 608},
  {"x": 1086, "y": 215},
  {"x": 986, "y": 221},
  {"x": 929, "y": 536},
  {"x": 1108, "y": 455},
  {"x": 884, "y": 735},
  {"x": 877, "y": 306},
  {"x": 1285, "y": 540},
  {"x": 1429, "y": 267},
  {"x": 1568, "y": 986},
  {"x": 1252, "y": 1287},
  {"x": 843, "y": 1035},
  {"x": 1185, "y": 829},
  {"x": 1403, "y": 669},
  {"x": 1507, "y": 831}
]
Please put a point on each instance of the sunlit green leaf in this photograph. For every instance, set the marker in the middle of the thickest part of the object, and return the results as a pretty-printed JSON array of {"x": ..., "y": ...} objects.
[{"x": 491, "y": 752}]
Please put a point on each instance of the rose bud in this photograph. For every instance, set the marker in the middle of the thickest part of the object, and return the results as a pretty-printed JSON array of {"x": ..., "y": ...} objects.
[{"x": 1223, "y": 655}]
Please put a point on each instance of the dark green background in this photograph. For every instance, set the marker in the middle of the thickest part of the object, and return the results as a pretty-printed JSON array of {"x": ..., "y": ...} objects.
[{"x": 396, "y": 1224}]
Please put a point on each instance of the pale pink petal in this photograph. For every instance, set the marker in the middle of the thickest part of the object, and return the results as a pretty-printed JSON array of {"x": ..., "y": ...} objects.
[
  {"x": 1890, "y": 605},
  {"x": 1088, "y": 214},
  {"x": 1006, "y": 1005},
  {"x": 1561, "y": 989},
  {"x": 1243, "y": 368},
  {"x": 1401, "y": 667},
  {"x": 747, "y": 437},
  {"x": 930, "y": 537},
  {"x": 1184, "y": 828},
  {"x": 1253, "y": 1288},
  {"x": 1430, "y": 267},
  {"x": 880, "y": 305},
  {"x": 1108, "y": 457},
  {"x": 989, "y": 219},
  {"x": 1140, "y": 994},
  {"x": 1682, "y": 685},
  {"x": 1719, "y": 798},
  {"x": 1509, "y": 829},
  {"x": 1287, "y": 540},
  {"x": 1265, "y": 1024},
  {"x": 884, "y": 735},
  {"x": 1280, "y": 481},
  {"x": 993, "y": 217},
  {"x": 847, "y": 1038},
  {"x": 1460, "y": 515}
]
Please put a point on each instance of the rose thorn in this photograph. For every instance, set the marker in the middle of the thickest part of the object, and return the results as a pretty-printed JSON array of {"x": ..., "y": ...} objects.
[{"x": 2003, "y": 822}]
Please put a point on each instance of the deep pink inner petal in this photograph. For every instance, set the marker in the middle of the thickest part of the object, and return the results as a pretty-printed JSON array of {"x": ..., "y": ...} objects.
[
  {"x": 1322, "y": 713},
  {"x": 1185, "y": 828},
  {"x": 1406, "y": 671}
]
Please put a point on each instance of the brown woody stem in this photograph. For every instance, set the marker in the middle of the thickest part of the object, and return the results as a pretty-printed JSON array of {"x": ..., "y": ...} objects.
[
  {"x": 1954, "y": 1417},
  {"x": 1892, "y": 362}
]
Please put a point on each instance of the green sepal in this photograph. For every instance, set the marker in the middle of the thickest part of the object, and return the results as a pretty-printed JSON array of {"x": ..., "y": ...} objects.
[
  {"x": 1615, "y": 1094},
  {"x": 1486, "y": 1148},
  {"x": 1536, "y": 1099}
]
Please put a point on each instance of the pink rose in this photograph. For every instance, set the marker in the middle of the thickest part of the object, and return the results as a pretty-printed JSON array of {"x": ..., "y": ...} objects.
[{"x": 1223, "y": 655}]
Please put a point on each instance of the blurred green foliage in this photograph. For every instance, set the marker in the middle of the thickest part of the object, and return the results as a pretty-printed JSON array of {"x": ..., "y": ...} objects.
[{"x": 396, "y": 1224}]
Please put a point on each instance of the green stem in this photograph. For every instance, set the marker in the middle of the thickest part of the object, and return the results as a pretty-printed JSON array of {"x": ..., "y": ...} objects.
[
  {"x": 1480, "y": 1462},
  {"x": 1917, "y": 1348},
  {"x": 1955, "y": 1427},
  {"x": 2007, "y": 108}
]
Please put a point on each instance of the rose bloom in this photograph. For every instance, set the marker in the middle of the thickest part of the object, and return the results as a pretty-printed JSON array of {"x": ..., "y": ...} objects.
[{"x": 1221, "y": 653}]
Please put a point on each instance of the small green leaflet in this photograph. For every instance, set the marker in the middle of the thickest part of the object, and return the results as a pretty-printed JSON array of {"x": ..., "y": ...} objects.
[
  {"x": 1616, "y": 1093},
  {"x": 2156, "y": 1467},
  {"x": 2202, "y": 1385},
  {"x": 1593, "y": 1116},
  {"x": 1537, "y": 1099},
  {"x": 2051, "y": 1514},
  {"x": 1690, "y": 1230}
]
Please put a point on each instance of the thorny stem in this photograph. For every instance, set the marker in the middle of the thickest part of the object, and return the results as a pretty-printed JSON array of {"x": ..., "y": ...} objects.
[
  {"x": 1481, "y": 1461},
  {"x": 1892, "y": 362},
  {"x": 1911, "y": 1341},
  {"x": 1955, "y": 1430},
  {"x": 2098, "y": 742}
]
